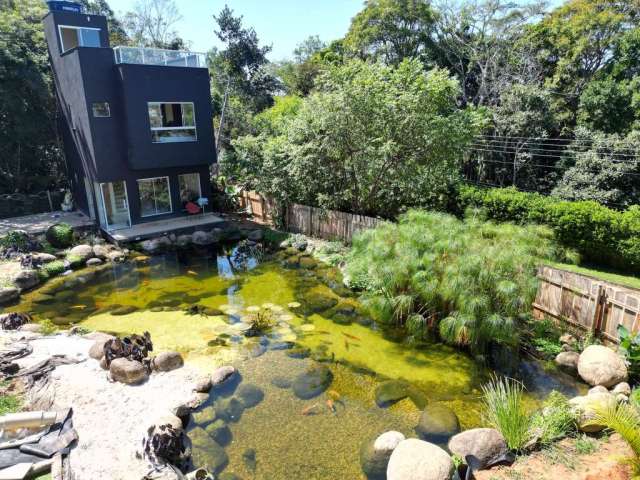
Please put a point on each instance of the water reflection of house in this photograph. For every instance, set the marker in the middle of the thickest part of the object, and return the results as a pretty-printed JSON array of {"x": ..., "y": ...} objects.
[{"x": 136, "y": 123}]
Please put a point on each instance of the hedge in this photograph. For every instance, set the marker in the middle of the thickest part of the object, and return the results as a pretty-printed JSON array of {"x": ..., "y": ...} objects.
[{"x": 603, "y": 236}]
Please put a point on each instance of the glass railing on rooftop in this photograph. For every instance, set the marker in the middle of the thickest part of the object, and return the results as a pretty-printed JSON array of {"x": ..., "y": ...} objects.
[{"x": 157, "y": 56}]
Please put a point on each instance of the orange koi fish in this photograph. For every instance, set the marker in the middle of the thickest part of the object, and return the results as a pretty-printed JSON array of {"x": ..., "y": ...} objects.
[
  {"x": 352, "y": 337},
  {"x": 310, "y": 410},
  {"x": 191, "y": 272},
  {"x": 79, "y": 307},
  {"x": 331, "y": 406}
]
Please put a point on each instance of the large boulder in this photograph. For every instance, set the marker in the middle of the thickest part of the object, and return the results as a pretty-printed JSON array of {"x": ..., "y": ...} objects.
[
  {"x": 599, "y": 365},
  {"x": 83, "y": 252},
  {"x": 318, "y": 299},
  {"x": 206, "y": 452},
  {"x": 97, "y": 349},
  {"x": 26, "y": 279},
  {"x": 437, "y": 424},
  {"x": 155, "y": 245},
  {"x": 487, "y": 445},
  {"x": 128, "y": 371},
  {"x": 585, "y": 407},
  {"x": 101, "y": 251},
  {"x": 60, "y": 235},
  {"x": 375, "y": 454},
  {"x": 203, "y": 238},
  {"x": 415, "y": 459},
  {"x": 167, "y": 361},
  {"x": 315, "y": 380},
  {"x": 229, "y": 409},
  {"x": 42, "y": 257},
  {"x": 250, "y": 395},
  {"x": 220, "y": 432},
  {"x": 568, "y": 361},
  {"x": 8, "y": 295},
  {"x": 222, "y": 374},
  {"x": 116, "y": 256}
]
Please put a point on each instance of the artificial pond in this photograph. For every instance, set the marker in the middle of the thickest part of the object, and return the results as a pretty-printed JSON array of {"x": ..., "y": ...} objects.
[{"x": 313, "y": 389}]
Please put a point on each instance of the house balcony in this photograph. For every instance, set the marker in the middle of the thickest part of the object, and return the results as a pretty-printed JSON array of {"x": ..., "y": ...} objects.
[{"x": 160, "y": 57}]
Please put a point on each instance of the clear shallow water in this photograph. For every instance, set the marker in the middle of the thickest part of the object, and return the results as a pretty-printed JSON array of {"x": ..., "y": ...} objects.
[{"x": 328, "y": 329}]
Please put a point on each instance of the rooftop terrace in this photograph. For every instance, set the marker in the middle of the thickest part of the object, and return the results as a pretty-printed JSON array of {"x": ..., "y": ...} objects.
[{"x": 157, "y": 56}]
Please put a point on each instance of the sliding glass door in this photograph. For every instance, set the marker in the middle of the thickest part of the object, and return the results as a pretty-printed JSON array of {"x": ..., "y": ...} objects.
[
  {"x": 155, "y": 196},
  {"x": 114, "y": 208}
]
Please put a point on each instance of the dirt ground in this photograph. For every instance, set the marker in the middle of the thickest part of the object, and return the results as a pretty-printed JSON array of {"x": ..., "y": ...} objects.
[{"x": 567, "y": 461}]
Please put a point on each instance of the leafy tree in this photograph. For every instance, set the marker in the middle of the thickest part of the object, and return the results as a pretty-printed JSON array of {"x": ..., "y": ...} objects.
[
  {"x": 481, "y": 43},
  {"x": 298, "y": 76},
  {"x": 373, "y": 139},
  {"x": 606, "y": 169},
  {"x": 151, "y": 23},
  {"x": 30, "y": 154},
  {"x": 575, "y": 42},
  {"x": 240, "y": 79},
  {"x": 117, "y": 33},
  {"x": 392, "y": 30},
  {"x": 606, "y": 106}
]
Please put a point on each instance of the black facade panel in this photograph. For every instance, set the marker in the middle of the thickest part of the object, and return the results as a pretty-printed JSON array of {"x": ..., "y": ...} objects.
[{"x": 142, "y": 84}]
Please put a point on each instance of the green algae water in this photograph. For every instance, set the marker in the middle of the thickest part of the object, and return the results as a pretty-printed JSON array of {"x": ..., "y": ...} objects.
[{"x": 314, "y": 387}]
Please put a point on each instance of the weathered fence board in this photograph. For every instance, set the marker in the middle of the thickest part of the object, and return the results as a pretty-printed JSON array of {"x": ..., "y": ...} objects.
[
  {"x": 261, "y": 208},
  {"x": 587, "y": 303},
  {"x": 327, "y": 224}
]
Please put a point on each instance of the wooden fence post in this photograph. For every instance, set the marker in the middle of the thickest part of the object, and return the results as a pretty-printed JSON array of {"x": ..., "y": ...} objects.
[{"x": 598, "y": 311}]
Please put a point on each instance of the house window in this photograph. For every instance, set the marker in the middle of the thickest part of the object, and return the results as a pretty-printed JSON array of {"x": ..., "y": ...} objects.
[
  {"x": 189, "y": 187},
  {"x": 72, "y": 37},
  {"x": 155, "y": 196},
  {"x": 172, "y": 122},
  {"x": 101, "y": 110}
]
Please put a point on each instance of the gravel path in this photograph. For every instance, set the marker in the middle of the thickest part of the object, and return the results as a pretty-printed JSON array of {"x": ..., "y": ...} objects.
[{"x": 110, "y": 418}]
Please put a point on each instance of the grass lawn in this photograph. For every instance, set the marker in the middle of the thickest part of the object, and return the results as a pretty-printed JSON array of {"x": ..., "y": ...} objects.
[{"x": 621, "y": 279}]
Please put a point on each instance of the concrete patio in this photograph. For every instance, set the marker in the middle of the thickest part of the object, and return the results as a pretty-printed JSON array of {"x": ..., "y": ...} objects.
[
  {"x": 40, "y": 222},
  {"x": 172, "y": 225}
]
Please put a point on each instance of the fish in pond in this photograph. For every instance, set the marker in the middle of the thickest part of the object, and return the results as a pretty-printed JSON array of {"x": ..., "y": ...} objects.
[
  {"x": 333, "y": 395},
  {"x": 191, "y": 272},
  {"x": 310, "y": 410},
  {"x": 146, "y": 282},
  {"x": 346, "y": 345},
  {"x": 351, "y": 337},
  {"x": 79, "y": 307},
  {"x": 331, "y": 406}
]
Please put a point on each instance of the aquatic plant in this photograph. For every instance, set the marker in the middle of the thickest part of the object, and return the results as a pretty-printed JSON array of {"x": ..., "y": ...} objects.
[
  {"x": 260, "y": 319},
  {"x": 54, "y": 268},
  {"x": 624, "y": 419},
  {"x": 473, "y": 279},
  {"x": 504, "y": 410},
  {"x": 555, "y": 421}
]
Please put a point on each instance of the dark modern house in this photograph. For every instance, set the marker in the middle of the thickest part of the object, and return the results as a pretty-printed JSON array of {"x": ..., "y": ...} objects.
[{"x": 136, "y": 122}]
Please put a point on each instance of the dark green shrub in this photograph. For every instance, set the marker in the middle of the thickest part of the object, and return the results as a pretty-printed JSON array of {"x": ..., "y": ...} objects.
[
  {"x": 15, "y": 239},
  {"x": 60, "y": 235},
  {"x": 75, "y": 261},
  {"x": 601, "y": 235}
]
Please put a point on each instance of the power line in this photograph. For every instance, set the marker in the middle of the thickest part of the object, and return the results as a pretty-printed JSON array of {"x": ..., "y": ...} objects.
[
  {"x": 548, "y": 141},
  {"x": 543, "y": 148}
]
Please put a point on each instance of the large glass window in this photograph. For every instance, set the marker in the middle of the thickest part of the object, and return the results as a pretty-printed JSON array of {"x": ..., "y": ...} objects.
[
  {"x": 172, "y": 122},
  {"x": 155, "y": 196},
  {"x": 72, "y": 37},
  {"x": 114, "y": 205},
  {"x": 189, "y": 187}
]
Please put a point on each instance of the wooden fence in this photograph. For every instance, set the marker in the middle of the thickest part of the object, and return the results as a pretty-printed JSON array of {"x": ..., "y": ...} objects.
[
  {"x": 327, "y": 224},
  {"x": 587, "y": 303},
  {"x": 262, "y": 209}
]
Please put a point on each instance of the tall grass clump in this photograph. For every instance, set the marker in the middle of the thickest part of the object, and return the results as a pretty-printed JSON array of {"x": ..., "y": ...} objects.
[
  {"x": 504, "y": 410},
  {"x": 624, "y": 419},
  {"x": 474, "y": 280}
]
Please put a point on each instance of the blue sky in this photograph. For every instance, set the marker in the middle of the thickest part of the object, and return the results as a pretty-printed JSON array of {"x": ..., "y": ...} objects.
[{"x": 281, "y": 23}]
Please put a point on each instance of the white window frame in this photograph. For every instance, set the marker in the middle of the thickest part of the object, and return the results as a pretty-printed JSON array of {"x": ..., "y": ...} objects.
[
  {"x": 103, "y": 211},
  {"x": 199, "y": 184},
  {"x": 73, "y": 27},
  {"x": 138, "y": 180},
  {"x": 160, "y": 129}
]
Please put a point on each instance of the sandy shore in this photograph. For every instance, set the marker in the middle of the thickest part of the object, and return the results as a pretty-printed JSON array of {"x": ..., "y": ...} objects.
[{"x": 110, "y": 418}]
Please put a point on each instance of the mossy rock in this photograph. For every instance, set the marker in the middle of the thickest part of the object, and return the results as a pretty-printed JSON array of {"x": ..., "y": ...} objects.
[
  {"x": 220, "y": 432},
  {"x": 212, "y": 312},
  {"x": 60, "y": 235},
  {"x": 250, "y": 395},
  {"x": 206, "y": 452},
  {"x": 291, "y": 262},
  {"x": 437, "y": 424},
  {"x": 204, "y": 416},
  {"x": 313, "y": 382},
  {"x": 308, "y": 263},
  {"x": 124, "y": 310},
  {"x": 318, "y": 299},
  {"x": 299, "y": 352},
  {"x": 229, "y": 409},
  {"x": 391, "y": 391}
]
